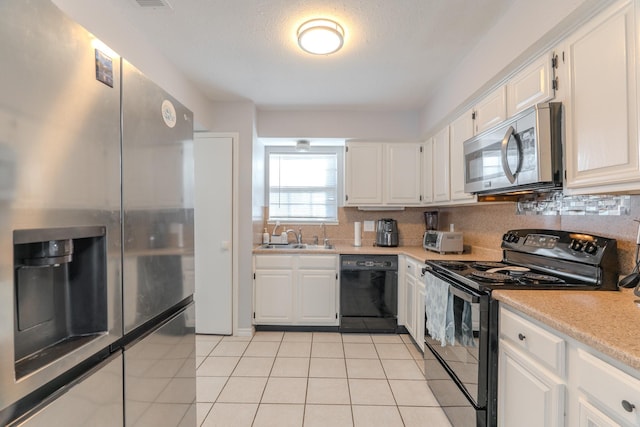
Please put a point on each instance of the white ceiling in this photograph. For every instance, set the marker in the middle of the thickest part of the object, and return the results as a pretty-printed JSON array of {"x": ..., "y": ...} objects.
[{"x": 395, "y": 54}]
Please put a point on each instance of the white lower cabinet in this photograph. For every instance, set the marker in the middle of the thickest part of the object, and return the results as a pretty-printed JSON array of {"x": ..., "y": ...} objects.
[
  {"x": 412, "y": 299},
  {"x": 296, "y": 289},
  {"x": 548, "y": 379},
  {"x": 410, "y": 305},
  {"x": 421, "y": 293},
  {"x": 274, "y": 297},
  {"x": 605, "y": 393},
  {"x": 530, "y": 385},
  {"x": 528, "y": 395},
  {"x": 317, "y": 295},
  {"x": 590, "y": 416}
]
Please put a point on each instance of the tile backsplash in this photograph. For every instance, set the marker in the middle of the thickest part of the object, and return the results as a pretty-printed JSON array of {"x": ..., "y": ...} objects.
[
  {"x": 483, "y": 225},
  {"x": 556, "y": 203}
]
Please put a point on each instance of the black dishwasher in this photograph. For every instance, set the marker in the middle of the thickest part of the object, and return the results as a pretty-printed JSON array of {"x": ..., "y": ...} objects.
[{"x": 369, "y": 293}]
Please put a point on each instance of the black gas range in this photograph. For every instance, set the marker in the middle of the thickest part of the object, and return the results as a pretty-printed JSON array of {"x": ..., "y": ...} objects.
[
  {"x": 541, "y": 259},
  {"x": 461, "y": 360}
]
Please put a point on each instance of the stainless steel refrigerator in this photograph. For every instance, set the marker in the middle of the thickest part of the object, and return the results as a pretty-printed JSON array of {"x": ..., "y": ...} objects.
[
  {"x": 96, "y": 233},
  {"x": 158, "y": 256}
]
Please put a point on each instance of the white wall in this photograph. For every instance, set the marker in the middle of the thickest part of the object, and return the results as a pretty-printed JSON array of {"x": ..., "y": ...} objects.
[
  {"x": 108, "y": 22},
  {"x": 527, "y": 29},
  {"x": 347, "y": 124}
]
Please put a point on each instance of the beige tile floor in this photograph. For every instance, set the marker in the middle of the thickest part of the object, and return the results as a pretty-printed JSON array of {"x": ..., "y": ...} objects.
[{"x": 313, "y": 379}]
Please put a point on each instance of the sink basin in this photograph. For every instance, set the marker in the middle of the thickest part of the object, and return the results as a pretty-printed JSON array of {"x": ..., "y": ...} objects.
[
  {"x": 296, "y": 246},
  {"x": 287, "y": 246}
]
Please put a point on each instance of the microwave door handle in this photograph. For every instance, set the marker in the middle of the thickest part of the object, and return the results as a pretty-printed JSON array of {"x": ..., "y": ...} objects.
[{"x": 511, "y": 176}]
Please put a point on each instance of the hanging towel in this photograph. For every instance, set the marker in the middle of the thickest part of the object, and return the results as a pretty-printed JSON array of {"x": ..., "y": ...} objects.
[
  {"x": 466, "y": 327},
  {"x": 439, "y": 310}
]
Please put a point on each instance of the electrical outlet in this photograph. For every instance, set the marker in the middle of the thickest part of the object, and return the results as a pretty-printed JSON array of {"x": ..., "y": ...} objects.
[{"x": 369, "y": 226}]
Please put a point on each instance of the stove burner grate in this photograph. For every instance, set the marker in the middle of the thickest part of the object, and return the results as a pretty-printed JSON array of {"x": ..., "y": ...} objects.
[
  {"x": 540, "y": 279},
  {"x": 486, "y": 265},
  {"x": 492, "y": 277},
  {"x": 453, "y": 265}
]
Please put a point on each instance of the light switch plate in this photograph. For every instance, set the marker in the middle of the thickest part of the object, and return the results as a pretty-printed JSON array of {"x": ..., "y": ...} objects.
[{"x": 369, "y": 226}]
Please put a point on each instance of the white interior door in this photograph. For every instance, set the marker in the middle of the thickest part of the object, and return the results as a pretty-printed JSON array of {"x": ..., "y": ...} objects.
[{"x": 213, "y": 161}]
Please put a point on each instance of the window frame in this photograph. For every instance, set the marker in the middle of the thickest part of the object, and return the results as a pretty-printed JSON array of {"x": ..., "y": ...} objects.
[{"x": 338, "y": 150}]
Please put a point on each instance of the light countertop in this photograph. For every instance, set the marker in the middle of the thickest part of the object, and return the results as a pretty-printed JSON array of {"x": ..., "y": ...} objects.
[
  {"x": 416, "y": 252},
  {"x": 608, "y": 321}
]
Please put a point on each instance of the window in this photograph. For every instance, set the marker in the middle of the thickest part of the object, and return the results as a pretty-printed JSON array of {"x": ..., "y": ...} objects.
[{"x": 303, "y": 187}]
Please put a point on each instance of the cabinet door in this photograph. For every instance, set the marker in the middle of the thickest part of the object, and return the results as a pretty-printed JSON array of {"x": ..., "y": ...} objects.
[
  {"x": 410, "y": 305},
  {"x": 427, "y": 171},
  {"x": 530, "y": 86},
  {"x": 602, "y": 125},
  {"x": 527, "y": 394},
  {"x": 274, "y": 297},
  {"x": 592, "y": 417},
  {"x": 441, "y": 166},
  {"x": 460, "y": 130},
  {"x": 420, "y": 312},
  {"x": 403, "y": 166},
  {"x": 491, "y": 110},
  {"x": 363, "y": 174},
  {"x": 317, "y": 302}
]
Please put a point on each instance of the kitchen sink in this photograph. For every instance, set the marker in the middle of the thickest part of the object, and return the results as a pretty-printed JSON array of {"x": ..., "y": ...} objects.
[{"x": 296, "y": 246}]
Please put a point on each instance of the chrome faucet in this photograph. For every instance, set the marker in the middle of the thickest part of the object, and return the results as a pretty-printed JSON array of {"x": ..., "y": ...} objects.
[
  {"x": 273, "y": 233},
  {"x": 298, "y": 235},
  {"x": 325, "y": 241}
]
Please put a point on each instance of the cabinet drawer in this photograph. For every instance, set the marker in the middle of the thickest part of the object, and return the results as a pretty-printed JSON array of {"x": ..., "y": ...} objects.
[
  {"x": 414, "y": 268},
  {"x": 609, "y": 385},
  {"x": 324, "y": 262},
  {"x": 274, "y": 261},
  {"x": 542, "y": 345}
]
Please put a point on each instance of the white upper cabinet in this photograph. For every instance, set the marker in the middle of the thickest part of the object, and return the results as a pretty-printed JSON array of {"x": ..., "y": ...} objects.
[
  {"x": 460, "y": 130},
  {"x": 491, "y": 110},
  {"x": 441, "y": 177},
  {"x": 600, "y": 108},
  {"x": 363, "y": 173},
  {"x": 532, "y": 85},
  {"x": 427, "y": 171},
  {"x": 403, "y": 173},
  {"x": 383, "y": 174}
]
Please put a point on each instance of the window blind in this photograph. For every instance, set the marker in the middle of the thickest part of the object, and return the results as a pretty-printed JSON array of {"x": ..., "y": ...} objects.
[{"x": 303, "y": 187}]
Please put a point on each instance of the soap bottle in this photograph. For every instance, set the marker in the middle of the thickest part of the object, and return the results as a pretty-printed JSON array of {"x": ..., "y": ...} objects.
[{"x": 265, "y": 237}]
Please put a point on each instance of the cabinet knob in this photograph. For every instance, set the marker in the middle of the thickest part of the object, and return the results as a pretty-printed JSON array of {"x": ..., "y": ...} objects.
[
  {"x": 521, "y": 337},
  {"x": 628, "y": 406}
]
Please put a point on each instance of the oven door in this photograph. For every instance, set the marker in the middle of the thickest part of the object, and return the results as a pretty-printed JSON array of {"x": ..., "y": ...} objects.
[{"x": 458, "y": 373}]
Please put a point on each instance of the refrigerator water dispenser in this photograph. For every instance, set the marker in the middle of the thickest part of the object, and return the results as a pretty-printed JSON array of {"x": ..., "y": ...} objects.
[{"x": 60, "y": 295}]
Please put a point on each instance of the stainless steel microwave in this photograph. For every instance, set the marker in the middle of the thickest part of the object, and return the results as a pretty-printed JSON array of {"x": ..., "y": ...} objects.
[{"x": 520, "y": 155}]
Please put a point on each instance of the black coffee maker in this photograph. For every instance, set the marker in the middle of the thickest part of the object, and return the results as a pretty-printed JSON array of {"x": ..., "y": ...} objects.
[{"x": 387, "y": 232}]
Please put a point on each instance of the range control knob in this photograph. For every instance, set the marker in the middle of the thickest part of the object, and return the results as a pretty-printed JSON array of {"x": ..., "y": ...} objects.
[
  {"x": 576, "y": 245},
  {"x": 510, "y": 238},
  {"x": 591, "y": 248}
]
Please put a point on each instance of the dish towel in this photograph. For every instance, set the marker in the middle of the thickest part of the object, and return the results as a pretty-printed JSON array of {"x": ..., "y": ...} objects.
[
  {"x": 439, "y": 310},
  {"x": 466, "y": 333}
]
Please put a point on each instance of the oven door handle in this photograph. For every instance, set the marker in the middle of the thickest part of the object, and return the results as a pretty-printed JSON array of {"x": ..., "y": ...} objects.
[{"x": 464, "y": 294}]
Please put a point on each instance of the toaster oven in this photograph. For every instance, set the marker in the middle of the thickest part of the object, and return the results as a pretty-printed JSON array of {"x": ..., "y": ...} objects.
[{"x": 443, "y": 241}]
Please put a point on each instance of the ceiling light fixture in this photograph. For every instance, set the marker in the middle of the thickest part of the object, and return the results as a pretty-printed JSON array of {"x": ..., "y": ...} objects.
[
  {"x": 303, "y": 145},
  {"x": 320, "y": 36}
]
